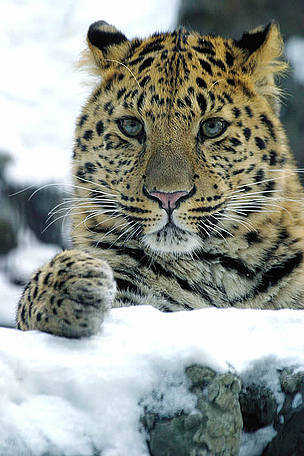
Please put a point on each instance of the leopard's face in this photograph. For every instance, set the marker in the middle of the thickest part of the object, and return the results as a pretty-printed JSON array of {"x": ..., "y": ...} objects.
[{"x": 175, "y": 143}]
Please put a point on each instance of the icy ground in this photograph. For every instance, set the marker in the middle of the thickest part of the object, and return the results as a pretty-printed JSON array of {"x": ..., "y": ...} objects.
[{"x": 79, "y": 397}]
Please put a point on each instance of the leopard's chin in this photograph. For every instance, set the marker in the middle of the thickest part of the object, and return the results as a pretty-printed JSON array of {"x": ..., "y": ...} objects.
[{"x": 172, "y": 240}]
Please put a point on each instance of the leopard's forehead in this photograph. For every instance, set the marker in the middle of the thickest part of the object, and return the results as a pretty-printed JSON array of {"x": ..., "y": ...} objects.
[
  {"x": 184, "y": 45},
  {"x": 177, "y": 75},
  {"x": 172, "y": 58}
]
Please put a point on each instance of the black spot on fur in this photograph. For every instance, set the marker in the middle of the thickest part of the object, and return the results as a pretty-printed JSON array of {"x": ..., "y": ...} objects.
[
  {"x": 252, "y": 237},
  {"x": 201, "y": 102},
  {"x": 88, "y": 134},
  {"x": 206, "y": 66},
  {"x": 237, "y": 265},
  {"x": 248, "y": 111},
  {"x": 188, "y": 101},
  {"x": 275, "y": 274},
  {"x": 144, "y": 81},
  {"x": 120, "y": 93},
  {"x": 231, "y": 82},
  {"x": 229, "y": 59},
  {"x": 109, "y": 107},
  {"x": 140, "y": 101},
  {"x": 90, "y": 167},
  {"x": 236, "y": 112},
  {"x": 82, "y": 120},
  {"x": 228, "y": 97},
  {"x": 99, "y": 127},
  {"x": 260, "y": 143},
  {"x": 146, "y": 64},
  {"x": 273, "y": 158},
  {"x": 266, "y": 121},
  {"x": 247, "y": 133},
  {"x": 259, "y": 175},
  {"x": 235, "y": 142},
  {"x": 180, "y": 103},
  {"x": 201, "y": 83},
  {"x": 80, "y": 173},
  {"x": 218, "y": 62},
  {"x": 152, "y": 47}
]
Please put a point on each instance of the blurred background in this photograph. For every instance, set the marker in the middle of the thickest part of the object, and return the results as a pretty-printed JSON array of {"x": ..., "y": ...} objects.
[{"x": 41, "y": 93}]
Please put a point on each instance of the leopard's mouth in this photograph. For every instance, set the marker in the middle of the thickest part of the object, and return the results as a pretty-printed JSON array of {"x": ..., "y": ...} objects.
[
  {"x": 172, "y": 240},
  {"x": 171, "y": 229}
]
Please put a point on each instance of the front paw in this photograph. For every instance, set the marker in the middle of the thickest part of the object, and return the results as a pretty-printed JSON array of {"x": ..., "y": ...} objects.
[{"x": 69, "y": 296}]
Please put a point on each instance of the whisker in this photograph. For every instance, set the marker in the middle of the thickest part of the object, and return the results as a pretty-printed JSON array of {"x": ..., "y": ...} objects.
[
  {"x": 249, "y": 194},
  {"x": 217, "y": 216},
  {"x": 125, "y": 66},
  {"x": 95, "y": 190},
  {"x": 261, "y": 182},
  {"x": 241, "y": 222},
  {"x": 204, "y": 227},
  {"x": 21, "y": 191}
]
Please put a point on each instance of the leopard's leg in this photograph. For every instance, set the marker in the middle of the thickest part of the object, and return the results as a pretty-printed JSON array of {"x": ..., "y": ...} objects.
[{"x": 68, "y": 297}]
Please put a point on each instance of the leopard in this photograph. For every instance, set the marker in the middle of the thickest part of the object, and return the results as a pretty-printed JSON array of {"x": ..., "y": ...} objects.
[{"x": 185, "y": 191}]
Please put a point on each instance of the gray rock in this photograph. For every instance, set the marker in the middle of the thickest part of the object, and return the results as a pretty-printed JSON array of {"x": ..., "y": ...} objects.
[
  {"x": 289, "y": 422},
  {"x": 258, "y": 406},
  {"x": 290, "y": 438},
  {"x": 213, "y": 430},
  {"x": 291, "y": 382},
  {"x": 8, "y": 235}
]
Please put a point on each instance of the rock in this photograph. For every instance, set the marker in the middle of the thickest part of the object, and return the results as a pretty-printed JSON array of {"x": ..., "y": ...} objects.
[
  {"x": 33, "y": 206},
  {"x": 27, "y": 207},
  {"x": 289, "y": 422},
  {"x": 213, "y": 430},
  {"x": 258, "y": 407},
  {"x": 290, "y": 438},
  {"x": 8, "y": 231},
  {"x": 8, "y": 236},
  {"x": 291, "y": 382}
]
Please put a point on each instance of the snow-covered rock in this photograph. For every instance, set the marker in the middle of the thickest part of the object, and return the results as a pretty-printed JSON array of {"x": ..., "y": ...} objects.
[{"x": 87, "y": 397}]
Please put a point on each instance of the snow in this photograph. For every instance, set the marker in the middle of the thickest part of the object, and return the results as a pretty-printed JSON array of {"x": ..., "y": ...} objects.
[
  {"x": 41, "y": 92},
  {"x": 253, "y": 444},
  {"x": 30, "y": 254},
  {"x": 10, "y": 295},
  {"x": 297, "y": 400},
  {"x": 82, "y": 397},
  {"x": 61, "y": 396}
]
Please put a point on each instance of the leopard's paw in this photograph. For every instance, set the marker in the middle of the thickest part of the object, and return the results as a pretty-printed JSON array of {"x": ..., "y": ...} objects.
[{"x": 69, "y": 296}]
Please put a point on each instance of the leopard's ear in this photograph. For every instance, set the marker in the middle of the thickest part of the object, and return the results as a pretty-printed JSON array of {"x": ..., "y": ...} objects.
[
  {"x": 262, "y": 49},
  {"x": 105, "y": 44}
]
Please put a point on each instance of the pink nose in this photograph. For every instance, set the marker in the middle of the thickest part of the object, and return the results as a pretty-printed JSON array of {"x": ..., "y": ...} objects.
[{"x": 168, "y": 200}]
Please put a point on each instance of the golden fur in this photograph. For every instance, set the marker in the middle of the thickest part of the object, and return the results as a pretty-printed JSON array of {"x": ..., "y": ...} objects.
[{"x": 232, "y": 233}]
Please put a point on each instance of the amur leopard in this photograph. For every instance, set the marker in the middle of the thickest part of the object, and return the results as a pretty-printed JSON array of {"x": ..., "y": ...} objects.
[{"x": 185, "y": 190}]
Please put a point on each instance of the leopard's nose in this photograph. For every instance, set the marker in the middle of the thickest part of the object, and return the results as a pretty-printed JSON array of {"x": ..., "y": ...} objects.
[{"x": 168, "y": 200}]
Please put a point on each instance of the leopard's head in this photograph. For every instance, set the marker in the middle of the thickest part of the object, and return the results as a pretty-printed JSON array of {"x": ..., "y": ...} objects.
[{"x": 178, "y": 138}]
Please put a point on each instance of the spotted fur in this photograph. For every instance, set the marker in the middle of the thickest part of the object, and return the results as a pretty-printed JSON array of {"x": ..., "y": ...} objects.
[{"x": 184, "y": 220}]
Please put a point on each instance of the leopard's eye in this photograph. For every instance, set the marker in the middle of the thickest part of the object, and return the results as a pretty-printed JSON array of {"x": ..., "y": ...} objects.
[
  {"x": 131, "y": 127},
  {"x": 211, "y": 128}
]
